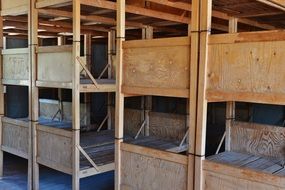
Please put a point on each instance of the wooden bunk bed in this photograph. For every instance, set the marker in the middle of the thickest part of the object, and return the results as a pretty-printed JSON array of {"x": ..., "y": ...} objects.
[
  {"x": 158, "y": 150},
  {"x": 54, "y": 139},
  {"x": 240, "y": 70},
  {"x": 15, "y": 70}
]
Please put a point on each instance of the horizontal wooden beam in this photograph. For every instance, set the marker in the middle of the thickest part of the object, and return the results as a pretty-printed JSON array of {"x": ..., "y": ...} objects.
[{"x": 138, "y": 10}]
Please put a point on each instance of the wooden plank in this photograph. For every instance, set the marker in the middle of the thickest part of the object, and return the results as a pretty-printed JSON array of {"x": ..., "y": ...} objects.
[
  {"x": 16, "y": 64},
  {"x": 171, "y": 157},
  {"x": 54, "y": 148},
  {"x": 14, "y": 7},
  {"x": 48, "y": 3},
  {"x": 258, "y": 139},
  {"x": 243, "y": 37},
  {"x": 162, "y": 42},
  {"x": 170, "y": 92},
  {"x": 55, "y": 65},
  {"x": 16, "y": 136},
  {"x": 240, "y": 176},
  {"x": 246, "y": 71},
  {"x": 157, "y": 67},
  {"x": 54, "y": 131},
  {"x": 54, "y": 49},
  {"x": 142, "y": 171}
]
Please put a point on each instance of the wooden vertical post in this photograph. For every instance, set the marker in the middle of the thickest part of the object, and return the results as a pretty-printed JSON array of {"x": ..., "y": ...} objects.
[
  {"x": 33, "y": 170},
  {"x": 147, "y": 34},
  {"x": 87, "y": 54},
  {"x": 230, "y": 107},
  {"x": 201, "y": 120},
  {"x": 1, "y": 91},
  {"x": 76, "y": 95},
  {"x": 59, "y": 90},
  {"x": 110, "y": 53},
  {"x": 193, "y": 31},
  {"x": 119, "y": 113}
]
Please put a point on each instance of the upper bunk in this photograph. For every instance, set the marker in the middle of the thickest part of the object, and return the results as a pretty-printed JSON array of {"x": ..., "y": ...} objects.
[
  {"x": 55, "y": 65},
  {"x": 157, "y": 67},
  {"x": 248, "y": 66}
]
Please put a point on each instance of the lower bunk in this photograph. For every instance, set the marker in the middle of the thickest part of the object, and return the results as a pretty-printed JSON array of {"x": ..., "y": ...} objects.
[
  {"x": 232, "y": 170},
  {"x": 148, "y": 168},
  {"x": 255, "y": 159},
  {"x": 54, "y": 148},
  {"x": 15, "y": 136}
]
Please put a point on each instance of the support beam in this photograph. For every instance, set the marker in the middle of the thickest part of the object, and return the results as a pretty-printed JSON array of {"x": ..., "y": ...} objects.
[
  {"x": 201, "y": 116},
  {"x": 119, "y": 108},
  {"x": 137, "y": 10},
  {"x": 76, "y": 96},
  {"x": 33, "y": 90},
  {"x": 193, "y": 31}
]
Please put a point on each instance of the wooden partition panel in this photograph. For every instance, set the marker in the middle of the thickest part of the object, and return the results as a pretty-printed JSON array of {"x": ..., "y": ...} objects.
[
  {"x": 16, "y": 66},
  {"x": 14, "y": 7},
  {"x": 220, "y": 176},
  {"x": 257, "y": 139},
  {"x": 54, "y": 66},
  {"x": 146, "y": 168},
  {"x": 247, "y": 67},
  {"x": 54, "y": 148},
  {"x": 157, "y": 67},
  {"x": 15, "y": 137}
]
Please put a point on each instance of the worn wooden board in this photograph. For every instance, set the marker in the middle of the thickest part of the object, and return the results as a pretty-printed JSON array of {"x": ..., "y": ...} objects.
[
  {"x": 220, "y": 176},
  {"x": 54, "y": 148},
  {"x": 16, "y": 64},
  {"x": 132, "y": 120},
  {"x": 15, "y": 137},
  {"x": 247, "y": 71},
  {"x": 55, "y": 64},
  {"x": 160, "y": 66},
  {"x": 257, "y": 139},
  {"x": 167, "y": 126},
  {"x": 141, "y": 172},
  {"x": 14, "y": 7}
]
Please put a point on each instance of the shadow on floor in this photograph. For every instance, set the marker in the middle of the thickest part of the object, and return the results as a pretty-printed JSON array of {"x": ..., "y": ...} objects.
[{"x": 15, "y": 177}]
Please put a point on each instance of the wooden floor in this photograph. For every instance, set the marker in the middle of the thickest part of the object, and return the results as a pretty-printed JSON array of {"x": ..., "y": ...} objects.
[
  {"x": 257, "y": 163},
  {"x": 15, "y": 177}
]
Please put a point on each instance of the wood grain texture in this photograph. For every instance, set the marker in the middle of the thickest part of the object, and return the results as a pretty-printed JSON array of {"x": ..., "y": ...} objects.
[
  {"x": 167, "y": 126},
  {"x": 16, "y": 64},
  {"x": 140, "y": 172},
  {"x": 257, "y": 139},
  {"x": 245, "y": 71},
  {"x": 55, "y": 66},
  {"x": 223, "y": 177},
  {"x": 15, "y": 136},
  {"x": 54, "y": 150},
  {"x": 14, "y": 7},
  {"x": 155, "y": 65}
]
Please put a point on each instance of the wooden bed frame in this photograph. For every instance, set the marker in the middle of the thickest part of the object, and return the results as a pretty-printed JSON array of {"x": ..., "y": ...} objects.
[
  {"x": 54, "y": 149},
  {"x": 55, "y": 71}
]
